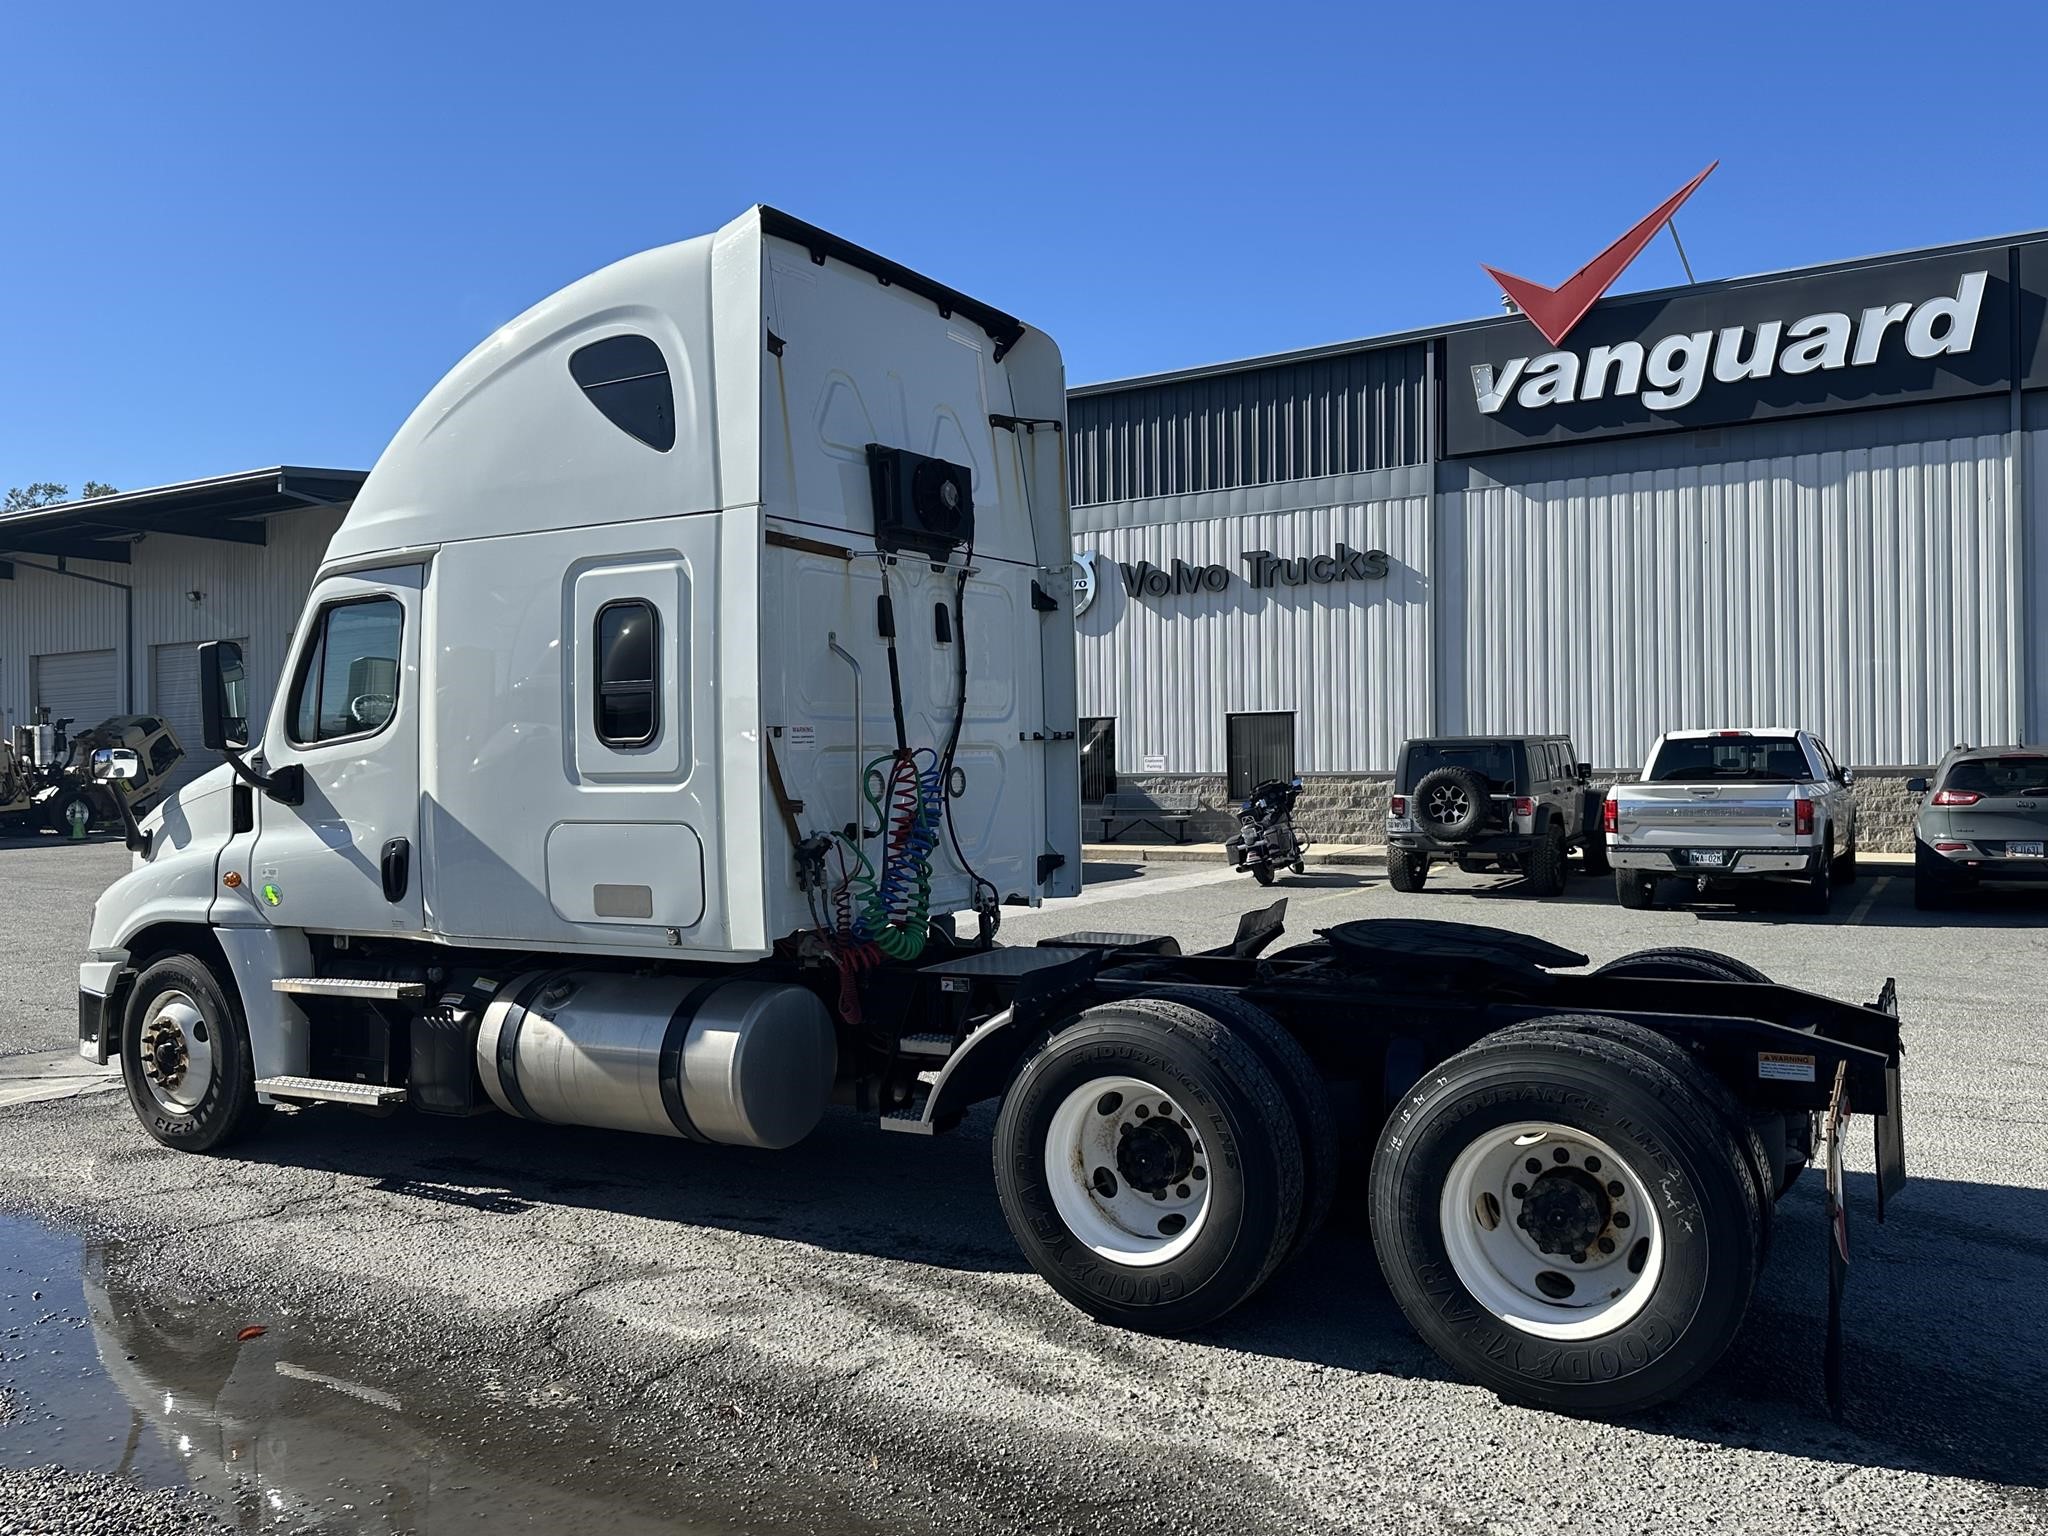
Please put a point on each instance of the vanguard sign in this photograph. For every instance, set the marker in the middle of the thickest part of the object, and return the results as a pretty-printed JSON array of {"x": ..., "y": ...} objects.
[{"x": 1922, "y": 329}]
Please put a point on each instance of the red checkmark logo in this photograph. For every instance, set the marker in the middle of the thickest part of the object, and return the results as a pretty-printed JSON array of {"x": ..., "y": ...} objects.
[{"x": 1554, "y": 311}]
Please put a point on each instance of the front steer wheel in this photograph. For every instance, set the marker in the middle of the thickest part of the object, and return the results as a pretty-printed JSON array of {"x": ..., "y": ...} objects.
[
  {"x": 1149, "y": 1166},
  {"x": 185, "y": 1057},
  {"x": 1566, "y": 1222}
]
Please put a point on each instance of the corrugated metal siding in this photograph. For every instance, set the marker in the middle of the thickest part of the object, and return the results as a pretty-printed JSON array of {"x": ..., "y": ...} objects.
[
  {"x": 1352, "y": 659},
  {"x": 2034, "y": 535},
  {"x": 1294, "y": 421},
  {"x": 1871, "y": 594},
  {"x": 247, "y": 591}
]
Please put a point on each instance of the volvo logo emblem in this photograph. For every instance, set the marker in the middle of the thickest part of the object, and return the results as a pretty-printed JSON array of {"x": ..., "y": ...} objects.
[{"x": 1084, "y": 582}]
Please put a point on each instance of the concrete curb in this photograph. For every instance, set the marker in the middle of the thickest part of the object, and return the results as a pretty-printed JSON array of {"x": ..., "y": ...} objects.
[
  {"x": 1351, "y": 854},
  {"x": 1367, "y": 855}
]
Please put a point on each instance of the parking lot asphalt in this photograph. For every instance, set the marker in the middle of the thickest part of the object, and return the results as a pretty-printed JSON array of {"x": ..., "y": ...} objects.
[{"x": 843, "y": 1336}]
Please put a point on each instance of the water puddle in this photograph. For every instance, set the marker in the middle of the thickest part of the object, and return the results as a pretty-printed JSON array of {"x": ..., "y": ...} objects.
[{"x": 285, "y": 1431}]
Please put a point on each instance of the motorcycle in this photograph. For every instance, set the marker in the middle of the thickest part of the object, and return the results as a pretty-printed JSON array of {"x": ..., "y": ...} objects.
[{"x": 1266, "y": 841}]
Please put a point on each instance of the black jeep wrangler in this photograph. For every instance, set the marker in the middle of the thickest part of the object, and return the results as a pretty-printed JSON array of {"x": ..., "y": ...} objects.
[{"x": 1518, "y": 804}]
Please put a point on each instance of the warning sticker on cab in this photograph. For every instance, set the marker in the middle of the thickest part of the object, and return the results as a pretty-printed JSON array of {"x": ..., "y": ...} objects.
[{"x": 1784, "y": 1067}]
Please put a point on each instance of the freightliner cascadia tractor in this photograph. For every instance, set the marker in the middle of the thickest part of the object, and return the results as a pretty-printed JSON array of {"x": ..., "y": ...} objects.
[{"x": 678, "y": 708}]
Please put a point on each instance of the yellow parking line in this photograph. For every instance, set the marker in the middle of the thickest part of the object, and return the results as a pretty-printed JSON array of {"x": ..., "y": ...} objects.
[{"x": 1863, "y": 907}]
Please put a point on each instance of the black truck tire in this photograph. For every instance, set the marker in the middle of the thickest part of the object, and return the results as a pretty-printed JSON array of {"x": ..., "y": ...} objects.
[
  {"x": 1299, "y": 1080},
  {"x": 1682, "y": 962},
  {"x": 1545, "y": 866},
  {"x": 1665, "y": 1306},
  {"x": 1450, "y": 803},
  {"x": 185, "y": 1056},
  {"x": 1764, "y": 1170},
  {"x": 57, "y": 810},
  {"x": 1166, "y": 1225},
  {"x": 1635, "y": 889},
  {"x": 1406, "y": 871},
  {"x": 1817, "y": 895}
]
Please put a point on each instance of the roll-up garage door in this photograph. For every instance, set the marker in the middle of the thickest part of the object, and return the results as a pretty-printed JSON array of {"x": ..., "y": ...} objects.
[
  {"x": 76, "y": 685},
  {"x": 174, "y": 698}
]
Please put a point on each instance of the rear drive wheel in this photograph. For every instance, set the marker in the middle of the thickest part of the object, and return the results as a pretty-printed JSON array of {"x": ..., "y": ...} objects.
[
  {"x": 1407, "y": 871},
  {"x": 1299, "y": 1080},
  {"x": 1546, "y": 865},
  {"x": 1263, "y": 873},
  {"x": 185, "y": 1057},
  {"x": 1635, "y": 890},
  {"x": 1149, "y": 1167},
  {"x": 1765, "y": 1172},
  {"x": 1566, "y": 1222},
  {"x": 1680, "y": 962}
]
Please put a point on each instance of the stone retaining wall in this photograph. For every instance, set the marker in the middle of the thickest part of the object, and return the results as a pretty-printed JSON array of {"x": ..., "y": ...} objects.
[{"x": 1352, "y": 808}]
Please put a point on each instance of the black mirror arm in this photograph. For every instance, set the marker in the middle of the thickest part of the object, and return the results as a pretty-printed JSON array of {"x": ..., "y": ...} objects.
[
  {"x": 138, "y": 841},
  {"x": 287, "y": 786}
]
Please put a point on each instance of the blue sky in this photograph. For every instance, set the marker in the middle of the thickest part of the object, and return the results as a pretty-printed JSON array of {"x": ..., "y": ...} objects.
[{"x": 233, "y": 236}]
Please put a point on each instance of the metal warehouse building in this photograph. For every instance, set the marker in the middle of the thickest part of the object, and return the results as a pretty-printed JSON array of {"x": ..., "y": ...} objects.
[
  {"x": 103, "y": 602},
  {"x": 1814, "y": 497}
]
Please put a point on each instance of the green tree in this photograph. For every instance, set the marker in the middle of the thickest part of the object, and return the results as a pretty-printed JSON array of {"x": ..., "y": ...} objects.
[{"x": 48, "y": 493}]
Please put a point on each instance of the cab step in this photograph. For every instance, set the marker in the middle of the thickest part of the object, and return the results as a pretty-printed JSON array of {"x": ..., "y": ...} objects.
[
  {"x": 328, "y": 1090},
  {"x": 908, "y": 1117},
  {"x": 346, "y": 986},
  {"x": 935, "y": 1045}
]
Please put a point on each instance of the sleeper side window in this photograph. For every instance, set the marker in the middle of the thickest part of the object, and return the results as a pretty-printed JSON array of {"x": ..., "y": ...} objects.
[
  {"x": 626, "y": 377},
  {"x": 628, "y": 694},
  {"x": 347, "y": 682}
]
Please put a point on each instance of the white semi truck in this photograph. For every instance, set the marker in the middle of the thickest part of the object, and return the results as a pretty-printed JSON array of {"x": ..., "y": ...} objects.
[{"x": 696, "y": 649}]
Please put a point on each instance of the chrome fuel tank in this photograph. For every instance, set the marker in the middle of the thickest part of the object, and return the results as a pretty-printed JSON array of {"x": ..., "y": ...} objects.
[{"x": 744, "y": 1063}]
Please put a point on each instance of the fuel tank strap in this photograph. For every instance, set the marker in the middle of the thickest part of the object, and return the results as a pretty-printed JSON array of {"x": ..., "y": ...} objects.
[
  {"x": 672, "y": 1040},
  {"x": 508, "y": 1043}
]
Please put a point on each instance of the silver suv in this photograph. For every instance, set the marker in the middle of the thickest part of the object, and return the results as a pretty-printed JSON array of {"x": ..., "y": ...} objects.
[{"x": 1985, "y": 822}]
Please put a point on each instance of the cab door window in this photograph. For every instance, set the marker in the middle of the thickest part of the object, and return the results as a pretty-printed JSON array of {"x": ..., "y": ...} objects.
[{"x": 347, "y": 681}]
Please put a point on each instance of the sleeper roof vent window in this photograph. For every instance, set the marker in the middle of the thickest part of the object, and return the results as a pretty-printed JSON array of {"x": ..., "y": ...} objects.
[{"x": 626, "y": 377}]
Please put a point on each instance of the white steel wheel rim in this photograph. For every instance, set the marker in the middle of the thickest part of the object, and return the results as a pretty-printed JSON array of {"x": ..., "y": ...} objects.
[
  {"x": 176, "y": 1051},
  {"x": 1128, "y": 1172},
  {"x": 1494, "y": 1236}
]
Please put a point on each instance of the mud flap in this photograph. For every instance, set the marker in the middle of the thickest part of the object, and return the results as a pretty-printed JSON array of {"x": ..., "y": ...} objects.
[
  {"x": 1834, "y": 1144},
  {"x": 1889, "y": 1127}
]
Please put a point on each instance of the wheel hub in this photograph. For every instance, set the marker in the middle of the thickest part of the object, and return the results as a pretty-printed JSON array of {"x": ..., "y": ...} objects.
[
  {"x": 1565, "y": 1211},
  {"x": 1447, "y": 805},
  {"x": 1153, "y": 1154},
  {"x": 164, "y": 1055},
  {"x": 175, "y": 1053},
  {"x": 1127, "y": 1170}
]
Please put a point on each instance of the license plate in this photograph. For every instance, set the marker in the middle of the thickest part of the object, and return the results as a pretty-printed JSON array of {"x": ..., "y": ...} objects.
[
  {"x": 2023, "y": 850},
  {"x": 1713, "y": 857}
]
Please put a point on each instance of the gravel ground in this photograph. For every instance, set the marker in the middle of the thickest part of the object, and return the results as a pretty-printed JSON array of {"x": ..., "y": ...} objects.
[
  {"x": 49, "y": 1501},
  {"x": 842, "y": 1337}
]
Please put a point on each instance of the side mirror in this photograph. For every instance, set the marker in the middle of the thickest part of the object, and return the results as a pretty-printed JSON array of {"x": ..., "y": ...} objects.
[
  {"x": 223, "y": 696},
  {"x": 1585, "y": 770},
  {"x": 1848, "y": 777},
  {"x": 116, "y": 764},
  {"x": 1916, "y": 786}
]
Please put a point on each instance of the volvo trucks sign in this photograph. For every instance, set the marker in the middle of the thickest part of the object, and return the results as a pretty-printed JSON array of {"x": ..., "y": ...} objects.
[
  {"x": 1262, "y": 569},
  {"x": 1909, "y": 330}
]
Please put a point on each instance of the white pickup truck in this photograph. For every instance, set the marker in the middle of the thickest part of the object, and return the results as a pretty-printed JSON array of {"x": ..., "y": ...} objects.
[{"x": 1765, "y": 804}]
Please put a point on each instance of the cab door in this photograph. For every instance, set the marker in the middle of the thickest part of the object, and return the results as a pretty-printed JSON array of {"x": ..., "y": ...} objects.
[{"x": 345, "y": 859}]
